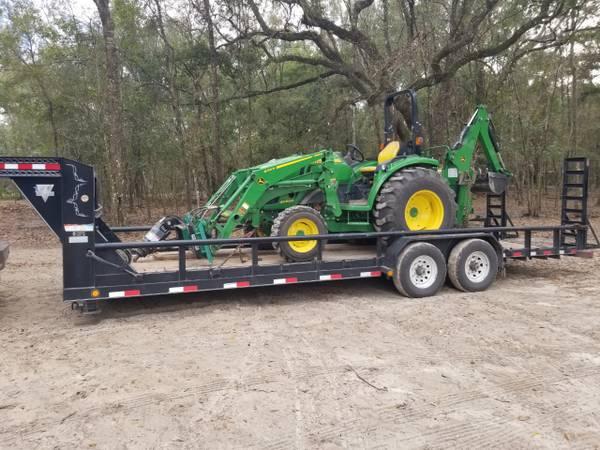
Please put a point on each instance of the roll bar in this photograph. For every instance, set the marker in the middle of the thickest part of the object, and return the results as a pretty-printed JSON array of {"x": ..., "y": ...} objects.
[{"x": 414, "y": 145}]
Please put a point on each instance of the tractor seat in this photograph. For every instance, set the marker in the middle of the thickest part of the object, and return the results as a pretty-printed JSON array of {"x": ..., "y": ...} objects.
[{"x": 388, "y": 153}]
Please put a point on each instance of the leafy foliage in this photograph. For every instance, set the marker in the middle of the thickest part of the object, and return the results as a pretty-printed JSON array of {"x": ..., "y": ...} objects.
[{"x": 280, "y": 77}]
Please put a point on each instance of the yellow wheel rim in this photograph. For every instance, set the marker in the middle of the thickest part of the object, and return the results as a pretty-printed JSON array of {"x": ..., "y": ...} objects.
[
  {"x": 302, "y": 227},
  {"x": 424, "y": 211}
]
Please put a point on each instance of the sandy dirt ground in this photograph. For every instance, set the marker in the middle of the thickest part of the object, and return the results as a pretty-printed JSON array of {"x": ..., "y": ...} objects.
[{"x": 346, "y": 364}]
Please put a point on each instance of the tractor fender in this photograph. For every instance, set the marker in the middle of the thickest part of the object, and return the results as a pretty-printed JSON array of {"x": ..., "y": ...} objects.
[
  {"x": 315, "y": 196},
  {"x": 386, "y": 170}
]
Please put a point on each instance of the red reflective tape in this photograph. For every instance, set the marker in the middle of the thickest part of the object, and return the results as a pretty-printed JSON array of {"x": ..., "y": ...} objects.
[
  {"x": 336, "y": 276},
  {"x": 243, "y": 284},
  {"x": 376, "y": 274},
  {"x": 573, "y": 251},
  {"x": 190, "y": 288},
  {"x": 547, "y": 252},
  {"x": 291, "y": 280},
  {"x": 29, "y": 166},
  {"x": 517, "y": 254},
  {"x": 132, "y": 293}
]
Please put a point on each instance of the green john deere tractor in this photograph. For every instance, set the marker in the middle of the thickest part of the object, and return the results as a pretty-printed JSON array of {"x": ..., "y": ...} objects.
[{"x": 329, "y": 192}]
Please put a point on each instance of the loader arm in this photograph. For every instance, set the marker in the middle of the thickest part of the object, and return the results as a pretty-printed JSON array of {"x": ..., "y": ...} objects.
[
  {"x": 244, "y": 196},
  {"x": 458, "y": 166}
]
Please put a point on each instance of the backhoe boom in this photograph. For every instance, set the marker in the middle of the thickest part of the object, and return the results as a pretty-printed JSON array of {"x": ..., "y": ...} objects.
[{"x": 458, "y": 167}]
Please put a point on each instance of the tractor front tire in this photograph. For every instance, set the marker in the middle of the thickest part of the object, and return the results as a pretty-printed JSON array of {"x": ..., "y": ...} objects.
[
  {"x": 298, "y": 221},
  {"x": 415, "y": 199}
]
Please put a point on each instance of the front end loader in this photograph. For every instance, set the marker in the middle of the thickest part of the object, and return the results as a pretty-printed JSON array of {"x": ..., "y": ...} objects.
[{"x": 330, "y": 192}]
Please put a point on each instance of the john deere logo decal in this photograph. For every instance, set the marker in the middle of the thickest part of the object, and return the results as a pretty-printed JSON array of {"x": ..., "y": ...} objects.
[{"x": 45, "y": 191}]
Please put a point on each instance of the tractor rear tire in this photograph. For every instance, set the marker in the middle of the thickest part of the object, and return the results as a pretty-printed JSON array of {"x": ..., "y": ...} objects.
[
  {"x": 299, "y": 221},
  {"x": 415, "y": 199}
]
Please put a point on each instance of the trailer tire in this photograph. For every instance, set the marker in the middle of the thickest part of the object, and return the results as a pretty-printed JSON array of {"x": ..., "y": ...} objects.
[
  {"x": 420, "y": 270},
  {"x": 295, "y": 221},
  {"x": 472, "y": 265}
]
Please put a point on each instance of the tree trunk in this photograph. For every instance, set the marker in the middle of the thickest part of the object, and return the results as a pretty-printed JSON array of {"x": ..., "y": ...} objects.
[
  {"x": 114, "y": 128},
  {"x": 180, "y": 130},
  {"x": 217, "y": 156}
]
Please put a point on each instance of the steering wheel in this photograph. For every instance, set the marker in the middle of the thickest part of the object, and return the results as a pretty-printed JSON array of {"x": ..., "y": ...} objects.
[{"x": 354, "y": 154}]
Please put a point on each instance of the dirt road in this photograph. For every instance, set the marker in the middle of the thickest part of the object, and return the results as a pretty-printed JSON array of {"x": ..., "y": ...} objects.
[{"x": 334, "y": 365}]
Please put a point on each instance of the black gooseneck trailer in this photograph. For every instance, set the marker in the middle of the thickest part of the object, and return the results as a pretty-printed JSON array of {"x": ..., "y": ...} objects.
[{"x": 97, "y": 264}]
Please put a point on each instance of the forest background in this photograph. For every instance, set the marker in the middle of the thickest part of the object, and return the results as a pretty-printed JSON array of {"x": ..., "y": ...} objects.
[{"x": 166, "y": 97}]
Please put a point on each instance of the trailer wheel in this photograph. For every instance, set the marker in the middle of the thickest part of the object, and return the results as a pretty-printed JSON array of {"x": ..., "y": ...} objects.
[
  {"x": 472, "y": 265},
  {"x": 420, "y": 270}
]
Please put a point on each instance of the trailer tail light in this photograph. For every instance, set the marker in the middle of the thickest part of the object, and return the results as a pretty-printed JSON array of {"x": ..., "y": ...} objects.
[{"x": 95, "y": 293}]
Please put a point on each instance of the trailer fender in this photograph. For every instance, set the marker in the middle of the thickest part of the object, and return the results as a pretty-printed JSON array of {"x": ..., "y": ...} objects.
[{"x": 445, "y": 243}]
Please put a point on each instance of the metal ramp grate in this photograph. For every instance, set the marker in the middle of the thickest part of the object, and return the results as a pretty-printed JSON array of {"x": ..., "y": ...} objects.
[
  {"x": 574, "y": 205},
  {"x": 496, "y": 214}
]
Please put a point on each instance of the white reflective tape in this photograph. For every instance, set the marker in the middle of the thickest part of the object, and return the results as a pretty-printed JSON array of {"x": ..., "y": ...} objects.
[
  {"x": 38, "y": 166},
  {"x": 561, "y": 252},
  {"x": 86, "y": 227},
  {"x": 11, "y": 166},
  {"x": 279, "y": 281},
  {"x": 452, "y": 172},
  {"x": 325, "y": 277},
  {"x": 78, "y": 239},
  {"x": 370, "y": 274},
  {"x": 229, "y": 285},
  {"x": 533, "y": 253},
  {"x": 116, "y": 294},
  {"x": 175, "y": 290}
]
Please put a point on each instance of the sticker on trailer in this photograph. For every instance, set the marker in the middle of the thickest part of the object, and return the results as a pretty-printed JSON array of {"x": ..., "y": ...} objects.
[
  {"x": 78, "y": 240},
  {"x": 86, "y": 227},
  {"x": 45, "y": 191}
]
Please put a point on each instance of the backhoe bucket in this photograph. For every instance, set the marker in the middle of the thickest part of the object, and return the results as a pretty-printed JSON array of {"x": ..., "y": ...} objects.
[{"x": 491, "y": 183}]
